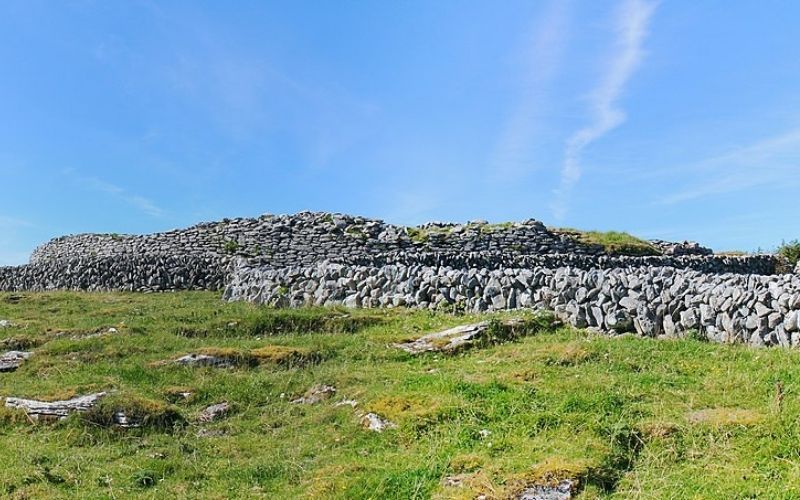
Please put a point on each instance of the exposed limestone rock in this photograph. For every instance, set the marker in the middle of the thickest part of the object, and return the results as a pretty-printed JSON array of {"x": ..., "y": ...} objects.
[
  {"x": 85, "y": 336},
  {"x": 203, "y": 360},
  {"x": 376, "y": 423},
  {"x": 454, "y": 339},
  {"x": 352, "y": 403},
  {"x": 55, "y": 409},
  {"x": 120, "y": 419},
  {"x": 213, "y": 413},
  {"x": 12, "y": 360},
  {"x": 316, "y": 394},
  {"x": 561, "y": 491},
  {"x": 4, "y": 323}
]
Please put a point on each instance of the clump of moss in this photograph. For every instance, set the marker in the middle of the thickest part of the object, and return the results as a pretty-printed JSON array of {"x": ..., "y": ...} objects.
[
  {"x": 467, "y": 463},
  {"x": 268, "y": 321},
  {"x": 137, "y": 410},
  {"x": 569, "y": 354},
  {"x": 506, "y": 330},
  {"x": 285, "y": 356},
  {"x": 397, "y": 408},
  {"x": 550, "y": 472},
  {"x": 235, "y": 356},
  {"x": 417, "y": 235},
  {"x": 12, "y": 416}
]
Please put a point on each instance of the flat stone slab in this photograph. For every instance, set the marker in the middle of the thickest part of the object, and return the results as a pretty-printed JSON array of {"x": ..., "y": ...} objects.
[
  {"x": 12, "y": 360},
  {"x": 561, "y": 491},
  {"x": 57, "y": 409},
  {"x": 203, "y": 360},
  {"x": 452, "y": 339},
  {"x": 89, "y": 335}
]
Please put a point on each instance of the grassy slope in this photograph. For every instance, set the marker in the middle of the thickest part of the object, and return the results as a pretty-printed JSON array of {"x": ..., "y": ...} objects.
[
  {"x": 621, "y": 412},
  {"x": 613, "y": 242}
]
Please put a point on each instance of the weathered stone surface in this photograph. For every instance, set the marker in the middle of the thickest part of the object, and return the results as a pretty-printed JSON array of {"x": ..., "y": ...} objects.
[
  {"x": 561, "y": 491},
  {"x": 453, "y": 339},
  {"x": 12, "y": 360},
  {"x": 55, "y": 409},
  {"x": 213, "y": 413},
  {"x": 4, "y": 323},
  {"x": 316, "y": 394},
  {"x": 204, "y": 360},
  {"x": 376, "y": 423}
]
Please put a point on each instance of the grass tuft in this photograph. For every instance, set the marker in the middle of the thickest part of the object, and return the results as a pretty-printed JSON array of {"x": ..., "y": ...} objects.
[
  {"x": 144, "y": 412},
  {"x": 612, "y": 242}
]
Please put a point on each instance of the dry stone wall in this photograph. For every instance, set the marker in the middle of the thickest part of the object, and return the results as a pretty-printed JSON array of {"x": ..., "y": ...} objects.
[
  {"x": 198, "y": 257},
  {"x": 310, "y": 237},
  {"x": 651, "y": 301},
  {"x": 146, "y": 273}
]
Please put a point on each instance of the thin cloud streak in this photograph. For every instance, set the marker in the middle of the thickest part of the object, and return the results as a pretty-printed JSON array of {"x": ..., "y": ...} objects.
[
  {"x": 770, "y": 162},
  {"x": 547, "y": 44},
  {"x": 8, "y": 222},
  {"x": 633, "y": 20},
  {"x": 143, "y": 204}
]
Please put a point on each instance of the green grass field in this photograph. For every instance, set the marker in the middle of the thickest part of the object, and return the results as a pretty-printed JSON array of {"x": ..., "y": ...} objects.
[{"x": 627, "y": 417}]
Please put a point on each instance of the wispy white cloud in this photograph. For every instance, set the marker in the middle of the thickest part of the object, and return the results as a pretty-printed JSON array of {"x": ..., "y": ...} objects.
[
  {"x": 7, "y": 222},
  {"x": 139, "y": 202},
  {"x": 773, "y": 161},
  {"x": 543, "y": 56},
  {"x": 631, "y": 30}
]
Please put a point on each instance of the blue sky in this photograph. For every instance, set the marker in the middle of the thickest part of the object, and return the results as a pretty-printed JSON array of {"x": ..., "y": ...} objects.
[{"x": 672, "y": 119}]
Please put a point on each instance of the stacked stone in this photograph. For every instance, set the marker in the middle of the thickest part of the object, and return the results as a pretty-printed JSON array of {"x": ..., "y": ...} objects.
[
  {"x": 749, "y": 264},
  {"x": 309, "y": 237},
  {"x": 682, "y": 248},
  {"x": 651, "y": 301},
  {"x": 148, "y": 273},
  {"x": 173, "y": 260}
]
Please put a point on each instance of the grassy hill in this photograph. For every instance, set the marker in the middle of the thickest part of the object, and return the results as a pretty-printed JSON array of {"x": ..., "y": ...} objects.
[{"x": 623, "y": 417}]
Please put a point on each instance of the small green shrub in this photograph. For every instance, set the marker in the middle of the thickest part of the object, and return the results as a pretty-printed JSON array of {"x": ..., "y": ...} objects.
[
  {"x": 790, "y": 252},
  {"x": 231, "y": 246},
  {"x": 417, "y": 235}
]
